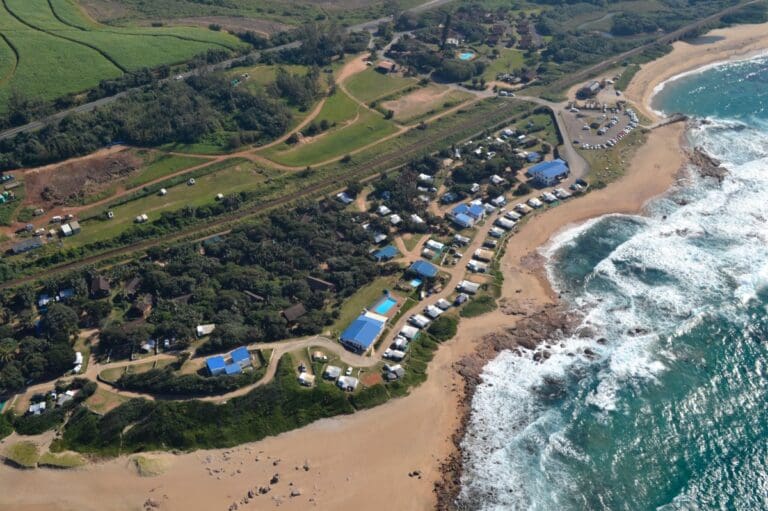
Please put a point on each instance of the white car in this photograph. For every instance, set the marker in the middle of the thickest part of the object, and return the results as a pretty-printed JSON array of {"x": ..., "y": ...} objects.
[{"x": 348, "y": 372}]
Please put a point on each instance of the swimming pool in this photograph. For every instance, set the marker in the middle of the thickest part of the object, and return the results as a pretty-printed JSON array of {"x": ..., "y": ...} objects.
[
  {"x": 415, "y": 283},
  {"x": 384, "y": 305},
  {"x": 466, "y": 55}
]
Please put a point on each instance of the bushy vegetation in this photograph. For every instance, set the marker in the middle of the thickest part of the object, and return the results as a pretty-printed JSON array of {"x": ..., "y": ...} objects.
[
  {"x": 478, "y": 306},
  {"x": 165, "y": 382}
]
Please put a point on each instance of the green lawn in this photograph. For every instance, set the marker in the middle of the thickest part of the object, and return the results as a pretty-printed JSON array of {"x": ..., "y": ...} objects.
[
  {"x": 371, "y": 85},
  {"x": 24, "y": 454},
  {"x": 230, "y": 180},
  {"x": 64, "y": 52},
  {"x": 63, "y": 460},
  {"x": 362, "y": 298},
  {"x": 335, "y": 143},
  {"x": 263, "y": 74},
  {"x": 162, "y": 166},
  {"x": 338, "y": 108},
  {"x": 508, "y": 60},
  {"x": 103, "y": 401}
]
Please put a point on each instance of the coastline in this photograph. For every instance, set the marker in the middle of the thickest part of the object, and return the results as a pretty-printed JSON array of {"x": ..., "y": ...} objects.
[
  {"x": 740, "y": 42},
  {"x": 359, "y": 459}
]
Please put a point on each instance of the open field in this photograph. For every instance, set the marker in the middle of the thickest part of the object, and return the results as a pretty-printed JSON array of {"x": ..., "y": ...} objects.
[
  {"x": 63, "y": 52},
  {"x": 508, "y": 61},
  {"x": 423, "y": 102},
  {"x": 23, "y": 454},
  {"x": 371, "y": 85},
  {"x": 160, "y": 166},
  {"x": 102, "y": 401},
  {"x": 238, "y": 177}
]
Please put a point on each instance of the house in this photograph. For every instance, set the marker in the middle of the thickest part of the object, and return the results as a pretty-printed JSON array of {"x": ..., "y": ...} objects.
[
  {"x": 423, "y": 269},
  {"x": 476, "y": 211},
  {"x": 332, "y": 372},
  {"x": 386, "y": 254},
  {"x": 477, "y": 267},
  {"x": 379, "y": 238},
  {"x": 504, "y": 223},
  {"x": 344, "y": 198},
  {"x": 463, "y": 221},
  {"x": 432, "y": 311},
  {"x": 203, "y": 330},
  {"x": 294, "y": 312},
  {"x": 409, "y": 332},
  {"x": 100, "y": 287},
  {"x": 483, "y": 255},
  {"x": 363, "y": 332},
  {"x": 395, "y": 219},
  {"x": 383, "y": 210},
  {"x": 435, "y": 245},
  {"x": 26, "y": 246},
  {"x": 425, "y": 178},
  {"x": 37, "y": 408},
  {"x": 132, "y": 287},
  {"x": 589, "y": 90},
  {"x": 468, "y": 287},
  {"x": 75, "y": 226},
  {"x": 141, "y": 307},
  {"x": 461, "y": 240},
  {"x": 549, "y": 173},
  {"x": 316, "y": 284},
  {"x": 232, "y": 369},
  {"x": 241, "y": 356},
  {"x": 416, "y": 219},
  {"x": 215, "y": 365},
  {"x": 306, "y": 379},
  {"x": 347, "y": 383},
  {"x": 66, "y": 230},
  {"x": 386, "y": 66}
]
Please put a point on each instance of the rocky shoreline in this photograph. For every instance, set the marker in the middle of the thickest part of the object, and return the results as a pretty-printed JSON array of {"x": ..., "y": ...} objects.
[{"x": 531, "y": 333}]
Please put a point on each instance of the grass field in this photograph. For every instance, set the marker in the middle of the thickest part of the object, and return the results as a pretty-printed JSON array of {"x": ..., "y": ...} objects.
[
  {"x": 507, "y": 61},
  {"x": 230, "y": 180},
  {"x": 23, "y": 454},
  {"x": 102, "y": 401},
  {"x": 338, "y": 108},
  {"x": 422, "y": 103},
  {"x": 371, "y": 85},
  {"x": 363, "y": 297},
  {"x": 63, "y": 460},
  {"x": 160, "y": 166},
  {"x": 63, "y": 52}
]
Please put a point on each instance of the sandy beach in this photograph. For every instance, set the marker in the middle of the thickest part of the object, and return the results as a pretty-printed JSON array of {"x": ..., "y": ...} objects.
[
  {"x": 390, "y": 456},
  {"x": 735, "y": 43}
]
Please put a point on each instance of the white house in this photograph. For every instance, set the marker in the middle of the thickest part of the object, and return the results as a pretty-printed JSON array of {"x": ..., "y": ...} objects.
[
  {"x": 203, "y": 330},
  {"x": 419, "y": 321},
  {"x": 435, "y": 245},
  {"x": 383, "y": 210},
  {"x": 347, "y": 383},
  {"x": 468, "y": 287}
]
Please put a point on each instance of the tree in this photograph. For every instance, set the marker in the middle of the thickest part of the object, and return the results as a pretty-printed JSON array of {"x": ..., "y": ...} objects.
[{"x": 59, "y": 324}]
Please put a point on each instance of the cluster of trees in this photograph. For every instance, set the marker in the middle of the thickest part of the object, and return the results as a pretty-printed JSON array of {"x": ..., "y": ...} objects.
[
  {"x": 442, "y": 64},
  {"x": 299, "y": 90},
  {"x": 178, "y": 111},
  {"x": 166, "y": 382}
]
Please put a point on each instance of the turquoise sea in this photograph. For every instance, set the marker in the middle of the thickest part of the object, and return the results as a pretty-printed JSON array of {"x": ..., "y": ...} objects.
[{"x": 668, "y": 408}]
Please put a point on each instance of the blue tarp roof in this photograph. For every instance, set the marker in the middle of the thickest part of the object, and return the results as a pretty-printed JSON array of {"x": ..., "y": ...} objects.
[
  {"x": 552, "y": 168},
  {"x": 215, "y": 364},
  {"x": 424, "y": 268},
  {"x": 388, "y": 252},
  {"x": 362, "y": 332},
  {"x": 240, "y": 354},
  {"x": 232, "y": 369},
  {"x": 461, "y": 209},
  {"x": 464, "y": 220}
]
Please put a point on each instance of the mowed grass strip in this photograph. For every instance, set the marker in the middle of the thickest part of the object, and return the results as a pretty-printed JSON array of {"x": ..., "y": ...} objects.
[
  {"x": 162, "y": 166},
  {"x": 371, "y": 85},
  {"x": 237, "y": 178},
  {"x": 50, "y": 67},
  {"x": 368, "y": 128},
  {"x": 129, "y": 50}
]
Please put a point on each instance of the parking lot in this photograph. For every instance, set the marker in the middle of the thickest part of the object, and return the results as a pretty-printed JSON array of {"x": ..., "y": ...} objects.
[{"x": 598, "y": 126}]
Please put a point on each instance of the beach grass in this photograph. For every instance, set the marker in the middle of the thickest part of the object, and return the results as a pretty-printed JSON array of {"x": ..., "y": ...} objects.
[
  {"x": 24, "y": 454},
  {"x": 478, "y": 306},
  {"x": 62, "y": 460}
]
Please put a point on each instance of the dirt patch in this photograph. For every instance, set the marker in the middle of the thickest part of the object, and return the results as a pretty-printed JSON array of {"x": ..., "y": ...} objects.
[
  {"x": 371, "y": 379},
  {"x": 105, "y": 10},
  {"x": 72, "y": 182},
  {"x": 233, "y": 24},
  {"x": 418, "y": 102}
]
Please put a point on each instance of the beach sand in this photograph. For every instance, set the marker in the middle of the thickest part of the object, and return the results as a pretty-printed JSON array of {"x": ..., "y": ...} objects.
[
  {"x": 367, "y": 460},
  {"x": 739, "y": 42}
]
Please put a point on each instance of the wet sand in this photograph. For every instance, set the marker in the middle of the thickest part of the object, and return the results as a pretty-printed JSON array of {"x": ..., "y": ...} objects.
[{"x": 739, "y": 42}]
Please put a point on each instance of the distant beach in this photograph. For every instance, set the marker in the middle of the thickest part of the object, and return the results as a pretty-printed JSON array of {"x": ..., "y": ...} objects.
[{"x": 390, "y": 456}]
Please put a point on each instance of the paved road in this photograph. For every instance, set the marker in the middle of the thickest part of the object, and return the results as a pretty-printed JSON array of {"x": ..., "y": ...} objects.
[{"x": 370, "y": 26}]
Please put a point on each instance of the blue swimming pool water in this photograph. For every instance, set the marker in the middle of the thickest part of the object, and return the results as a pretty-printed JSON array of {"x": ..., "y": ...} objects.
[
  {"x": 467, "y": 55},
  {"x": 384, "y": 306},
  {"x": 415, "y": 283}
]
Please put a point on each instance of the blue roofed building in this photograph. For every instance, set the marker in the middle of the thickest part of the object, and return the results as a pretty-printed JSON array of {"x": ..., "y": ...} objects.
[
  {"x": 463, "y": 221},
  {"x": 423, "y": 269},
  {"x": 363, "y": 332},
  {"x": 549, "y": 173},
  {"x": 232, "y": 369},
  {"x": 461, "y": 209},
  {"x": 216, "y": 365},
  {"x": 386, "y": 254},
  {"x": 476, "y": 211},
  {"x": 533, "y": 157},
  {"x": 241, "y": 357}
]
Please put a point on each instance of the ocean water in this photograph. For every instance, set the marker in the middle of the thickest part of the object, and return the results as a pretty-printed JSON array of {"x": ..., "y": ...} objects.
[{"x": 660, "y": 400}]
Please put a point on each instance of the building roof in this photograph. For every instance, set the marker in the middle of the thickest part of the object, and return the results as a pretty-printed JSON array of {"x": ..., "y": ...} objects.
[
  {"x": 424, "y": 268},
  {"x": 386, "y": 253},
  {"x": 476, "y": 211},
  {"x": 332, "y": 372},
  {"x": 215, "y": 364},
  {"x": 100, "y": 284},
  {"x": 294, "y": 312},
  {"x": 546, "y": 169},
  {"x": 231, "y": 369},
  {"x": 319, "y": 284},
  {"x": 464, "y": 220},
  {"x": 533, "y": 156},
  {"x": 241, "y": 354},
  {"x": 363, "y": 331},
  {"x": 461, "y": 209}
]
